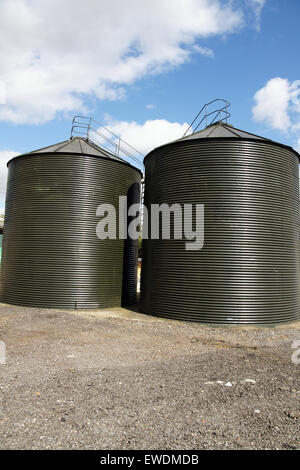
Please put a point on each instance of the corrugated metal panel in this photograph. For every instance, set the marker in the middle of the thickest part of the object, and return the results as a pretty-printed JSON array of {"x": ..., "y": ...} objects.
[
  {"x": 51, "y": 255},
  {"x": 248, "y": 269},
  {"x": 129, "y": 294}
]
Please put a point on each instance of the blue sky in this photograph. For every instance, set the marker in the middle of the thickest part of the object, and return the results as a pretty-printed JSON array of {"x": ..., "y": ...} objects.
[{"x": 145, "y": 68}]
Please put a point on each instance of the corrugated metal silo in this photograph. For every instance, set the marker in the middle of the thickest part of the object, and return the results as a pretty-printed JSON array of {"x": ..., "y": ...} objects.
[
  {"x": 248, "y": 268},
  {"x": 51, "y": 254}
]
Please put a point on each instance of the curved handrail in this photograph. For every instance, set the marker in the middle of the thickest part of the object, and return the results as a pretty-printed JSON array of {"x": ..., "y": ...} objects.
[{"x": 217, "y": 112}]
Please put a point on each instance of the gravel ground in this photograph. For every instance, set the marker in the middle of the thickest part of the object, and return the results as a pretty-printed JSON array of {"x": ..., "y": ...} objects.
[{"x": 115, "y": 379}]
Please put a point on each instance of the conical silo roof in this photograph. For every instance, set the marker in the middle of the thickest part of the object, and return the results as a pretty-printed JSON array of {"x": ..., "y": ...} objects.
[
  {"x": 78, "y": 146},
  {"x": 222, "y": 130}
]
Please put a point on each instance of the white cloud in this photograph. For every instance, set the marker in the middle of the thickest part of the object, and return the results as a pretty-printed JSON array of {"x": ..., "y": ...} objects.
[
  {"x": 55, "y": 54},
  {"x": 147, "y": 136},
  {"x": 257, "y": 6},
  {"x": 150, "y": 106},
  {"x": 278, "y": 105},
  {"x": 297, "y": 147},
  {"x": 203, "y": 50},
  {"x": 5, "y": 156}
]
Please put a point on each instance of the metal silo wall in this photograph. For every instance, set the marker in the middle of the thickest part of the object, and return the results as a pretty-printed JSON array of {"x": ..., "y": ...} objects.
[
  {"x": 129, "y": 294},
  {"x": 51, "y": 254},
  {"x": 248, "y": 268}
]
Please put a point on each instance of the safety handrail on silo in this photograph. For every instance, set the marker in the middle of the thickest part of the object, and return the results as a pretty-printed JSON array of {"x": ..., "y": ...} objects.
[
  {"x": 92, "y": 130},
  {"x": 217, "y": 112}
]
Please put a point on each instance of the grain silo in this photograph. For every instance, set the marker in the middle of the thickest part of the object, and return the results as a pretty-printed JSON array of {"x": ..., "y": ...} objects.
[
  {"x": 248, "y": 268},
  {"x": 51, "y": 254}
]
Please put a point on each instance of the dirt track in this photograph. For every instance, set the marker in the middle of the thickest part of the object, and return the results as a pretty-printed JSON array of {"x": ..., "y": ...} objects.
[{"x": 119, "y": 380}]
